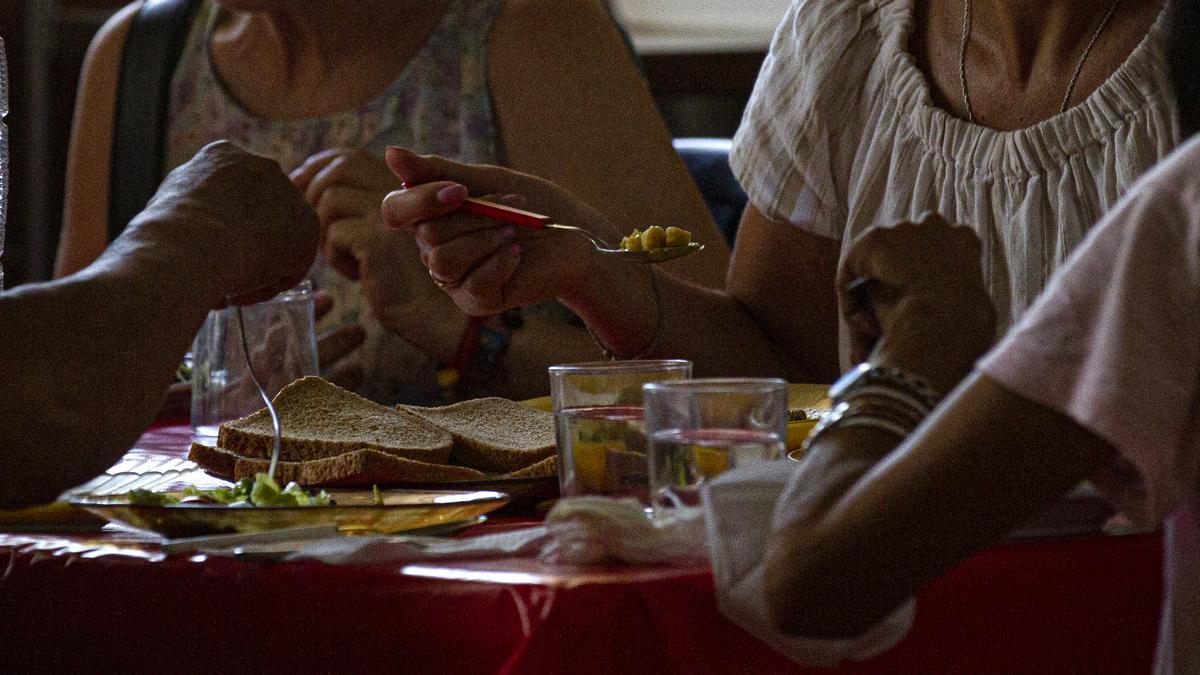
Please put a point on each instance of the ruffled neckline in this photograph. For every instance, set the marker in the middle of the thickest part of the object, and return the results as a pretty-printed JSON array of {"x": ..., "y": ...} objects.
[{"x": 1133, "y": 86}]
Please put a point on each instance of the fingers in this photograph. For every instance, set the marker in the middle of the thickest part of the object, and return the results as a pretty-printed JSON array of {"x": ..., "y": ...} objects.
[
  {"x": 413, "y": 170},
  {"x": 481, "y": 292},
  {"x": 302, "y": 175},
  {"x": 353, "y": 168},
  {"x": 341, "y": 201},
  {"x": 457, "y": 257},
  {"x": 339, "y": 343},
  {"x": 347, "y": 374},
  {"x": 407, "y": 208},
  {"x": 322, "y": 304}
]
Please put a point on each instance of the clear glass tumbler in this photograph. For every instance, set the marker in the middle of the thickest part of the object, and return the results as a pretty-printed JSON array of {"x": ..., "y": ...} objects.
[
  {"x": 699, "y": 429},
  {"x": 598, "y": 422},
  {"x": 283, "y": 348},
  {"x": 3, "y": 155}
]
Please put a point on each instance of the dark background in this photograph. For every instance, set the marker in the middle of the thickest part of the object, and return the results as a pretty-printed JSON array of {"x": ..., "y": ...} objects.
[{"x": 698, "y": 94}]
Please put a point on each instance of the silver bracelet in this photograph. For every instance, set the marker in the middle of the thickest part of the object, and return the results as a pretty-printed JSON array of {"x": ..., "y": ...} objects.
[
  {"x": 878, "y": 412},
  {"x": 865, "y": 375}
]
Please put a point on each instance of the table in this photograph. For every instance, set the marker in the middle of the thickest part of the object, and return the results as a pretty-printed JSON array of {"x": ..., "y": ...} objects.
[{"x": 72, "y": 602}]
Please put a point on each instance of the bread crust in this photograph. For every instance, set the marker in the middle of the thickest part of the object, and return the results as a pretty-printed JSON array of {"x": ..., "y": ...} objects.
[
  {"x": 359, "y": 467},
  {"x": 494, "y": 435},
  {"x": 321, "y": 420}
]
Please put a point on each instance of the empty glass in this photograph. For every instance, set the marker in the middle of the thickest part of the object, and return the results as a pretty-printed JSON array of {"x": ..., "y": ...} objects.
[
  {"x": 598, "y": 422},
  {"x": 283, "y": 348},
  {"x": 699, "y": 429},
  {"x": 3, "y": 154}
]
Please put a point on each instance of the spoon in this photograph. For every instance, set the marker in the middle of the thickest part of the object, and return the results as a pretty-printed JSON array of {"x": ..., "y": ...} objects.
[
  {"x": 537, "y": 221},
  {"x": 278, "y": 436}
]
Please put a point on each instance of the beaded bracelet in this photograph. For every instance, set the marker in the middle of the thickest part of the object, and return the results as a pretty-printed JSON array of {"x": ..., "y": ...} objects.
[{"x": 476, "y": 366}]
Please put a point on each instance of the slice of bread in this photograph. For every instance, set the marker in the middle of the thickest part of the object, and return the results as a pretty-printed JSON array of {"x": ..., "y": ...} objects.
[
  {"x": 321, "y": 420},
  {"x": 543, "y": 469},
  {"x": 494, "y": 435},
  {"x": 358, "y": 467}
]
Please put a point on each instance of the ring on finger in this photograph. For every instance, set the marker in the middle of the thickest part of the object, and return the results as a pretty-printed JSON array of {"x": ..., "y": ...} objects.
[{"x": 443, "y": 283}]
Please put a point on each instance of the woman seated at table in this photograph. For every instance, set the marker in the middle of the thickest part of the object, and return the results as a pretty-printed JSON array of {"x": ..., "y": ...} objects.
[
  {"x": 323, "y": 87},
  {"x": 1100, "y": 380},
  {"x": 1027, "y": 126}
]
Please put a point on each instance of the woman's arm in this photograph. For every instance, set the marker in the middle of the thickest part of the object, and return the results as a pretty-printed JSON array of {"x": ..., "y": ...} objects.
[
  {"x": 868, "y": 526},
  {"x": 85, "y": 210},
  {"x": 718, "y": 330},
  {"x": 572, "y": 107}
]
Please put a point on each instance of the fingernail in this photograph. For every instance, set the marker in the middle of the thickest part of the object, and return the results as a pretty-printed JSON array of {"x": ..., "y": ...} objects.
[
  {"x": 508, "y": 233},
  {"x": 452, "y": 194},
  {"x": 403, "y": 185},
  {"x": 513, "y": 200}
]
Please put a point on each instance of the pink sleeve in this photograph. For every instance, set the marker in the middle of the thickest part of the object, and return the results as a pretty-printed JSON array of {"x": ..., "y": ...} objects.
[{"x": 1114, "y": 342}]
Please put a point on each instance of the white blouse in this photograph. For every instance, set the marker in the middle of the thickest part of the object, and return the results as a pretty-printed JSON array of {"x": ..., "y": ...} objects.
[{"x": 841, "y": 134}]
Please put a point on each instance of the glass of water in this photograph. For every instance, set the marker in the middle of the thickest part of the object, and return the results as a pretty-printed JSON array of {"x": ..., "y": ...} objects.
[
  {"x": 698, "y": 429},
  {"x": 283, "y": 348},
  {"x": 598, "y": 423}
]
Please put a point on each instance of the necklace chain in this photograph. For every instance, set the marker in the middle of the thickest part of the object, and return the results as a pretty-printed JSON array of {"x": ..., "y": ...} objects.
[{"x": 966, "y": 39}]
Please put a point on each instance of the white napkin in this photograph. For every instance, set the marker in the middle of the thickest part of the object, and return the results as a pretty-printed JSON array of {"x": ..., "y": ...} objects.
[
  {"x": 739, "y": 508},
  {"x": 578, "y": 531},
  {"x": 589, "y": 530},
  {"x": 343, "y": 550}
]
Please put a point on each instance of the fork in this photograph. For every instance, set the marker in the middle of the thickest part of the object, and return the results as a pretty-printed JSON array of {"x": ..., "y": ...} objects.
[{"x": 262, "y": 392}]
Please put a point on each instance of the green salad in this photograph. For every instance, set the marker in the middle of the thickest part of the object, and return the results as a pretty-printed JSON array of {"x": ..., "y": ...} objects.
[{"x": 262, "y": 490}]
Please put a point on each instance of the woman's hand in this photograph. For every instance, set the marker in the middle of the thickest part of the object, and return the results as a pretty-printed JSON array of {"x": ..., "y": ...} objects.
[
  {"x": 487, "y": 266},
  {"x": 345, "y": 188},
  {"x": 923, "y": 307}
]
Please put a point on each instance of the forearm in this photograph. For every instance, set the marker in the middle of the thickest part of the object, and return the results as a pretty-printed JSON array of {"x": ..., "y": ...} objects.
[
  {"x": 867, "y": 520},
  {"x": 706, "y": 326},
  {"x": 85, "y": 362},
  {"x": 544, "y": 341}
]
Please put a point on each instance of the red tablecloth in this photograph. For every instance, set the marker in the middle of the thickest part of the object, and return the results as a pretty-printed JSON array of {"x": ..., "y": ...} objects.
[{"x": 1087, "y": 604}]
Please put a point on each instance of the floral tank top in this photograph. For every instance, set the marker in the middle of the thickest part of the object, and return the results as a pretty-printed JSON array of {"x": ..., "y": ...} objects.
[{"x": 439, "y": 103}]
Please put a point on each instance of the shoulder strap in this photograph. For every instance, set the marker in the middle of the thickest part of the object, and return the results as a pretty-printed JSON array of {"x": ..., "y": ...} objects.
[{"x": 156, "y": 39}]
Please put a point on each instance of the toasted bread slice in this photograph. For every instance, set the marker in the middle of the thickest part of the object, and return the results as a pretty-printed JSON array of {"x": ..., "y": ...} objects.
[
  {"x": 543, "y": 469},
  {"x": 358, "y": 467},
  {"x": 494, "y": 435},
  {"x": 321, "y": 420}
]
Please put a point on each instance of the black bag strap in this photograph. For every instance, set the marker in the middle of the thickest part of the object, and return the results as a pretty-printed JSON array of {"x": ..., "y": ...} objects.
[{"x": 152, "y": 49}]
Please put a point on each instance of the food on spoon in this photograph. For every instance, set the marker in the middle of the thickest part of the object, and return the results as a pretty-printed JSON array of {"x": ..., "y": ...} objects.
[
  {"x": 677, "y": 236},
  {"x": 633, "y": 242},
  {"x": 655, "y": 237},
  {"x": 494, "y": 434},
  {"x": 320, "y": 419}
]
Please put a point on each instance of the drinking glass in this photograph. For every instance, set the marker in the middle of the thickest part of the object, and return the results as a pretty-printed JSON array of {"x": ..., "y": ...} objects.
[
  {"x": 283, "y": 348},
  {"x": 598, "y": 424},
  {"x": 699, "y": 429},
  {"x": 3, "y": 154}
]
